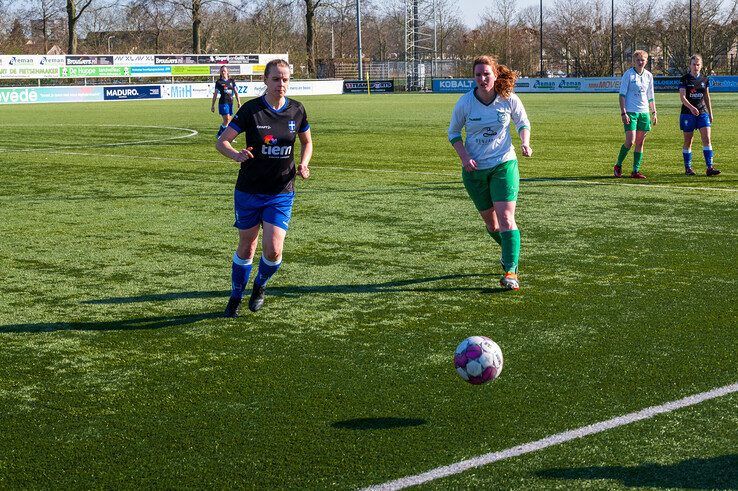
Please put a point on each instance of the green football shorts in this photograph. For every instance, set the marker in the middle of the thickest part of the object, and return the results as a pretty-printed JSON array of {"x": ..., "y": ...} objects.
[
  {"x": 639, "y": 122},
  {"x": 500, "y": 183}
]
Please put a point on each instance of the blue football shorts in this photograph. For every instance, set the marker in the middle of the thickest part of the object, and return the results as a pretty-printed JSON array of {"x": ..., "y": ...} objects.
[
  {"x": 252, "y": 209},
  {"x": 689, "y": 122},
  {"x": 225, "y": 109}
]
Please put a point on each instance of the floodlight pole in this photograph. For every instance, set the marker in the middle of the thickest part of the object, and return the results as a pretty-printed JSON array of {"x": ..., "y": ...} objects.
[
  {"x": 541, "y": 37},
  {"x": 358, "y": 39}
]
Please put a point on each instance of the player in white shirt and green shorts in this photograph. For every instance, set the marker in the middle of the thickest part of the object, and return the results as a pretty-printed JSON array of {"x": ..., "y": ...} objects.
[
  {"x": 488, "y": 159},
  {"x": 636, "y": 98}
]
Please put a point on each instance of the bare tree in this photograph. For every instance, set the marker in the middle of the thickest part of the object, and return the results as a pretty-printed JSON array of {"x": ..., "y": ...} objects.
[
  {"x": 529, "y": 22},
  {"x": 340, "y": 15},
  {"x": 75, "y": 9},
  {"x": 449, "y": 25},
  {"x": 638, "y": 24},
  {"x": 43, "y": 13},
  {"x": 153, "y": 16},
  {"x": 714, "y": 32},
  {"x": 502, "y": 14},
  {"x": 311, "y": 7},
  {"x": 15, "y": 39}
]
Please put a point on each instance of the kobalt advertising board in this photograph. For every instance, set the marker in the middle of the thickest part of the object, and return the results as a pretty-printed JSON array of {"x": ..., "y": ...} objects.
[{"x": 584, "y": 85}]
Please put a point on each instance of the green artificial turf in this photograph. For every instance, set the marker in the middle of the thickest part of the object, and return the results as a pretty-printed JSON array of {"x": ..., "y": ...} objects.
[{"x": 116, "y": 369}]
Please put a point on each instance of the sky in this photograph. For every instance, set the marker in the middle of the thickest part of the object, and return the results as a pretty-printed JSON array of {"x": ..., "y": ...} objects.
[{"x": 471, "y": 10}]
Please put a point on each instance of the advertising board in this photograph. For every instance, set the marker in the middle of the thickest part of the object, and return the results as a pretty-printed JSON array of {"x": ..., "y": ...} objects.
[
  {"x": 128, "y": 92},
  {"x": 360, "y": 86}
]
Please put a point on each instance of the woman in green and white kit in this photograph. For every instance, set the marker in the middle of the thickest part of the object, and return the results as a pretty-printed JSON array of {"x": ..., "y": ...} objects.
[
  {"x": 489, "y": 163},
  {"x": 636, "y": 98}
]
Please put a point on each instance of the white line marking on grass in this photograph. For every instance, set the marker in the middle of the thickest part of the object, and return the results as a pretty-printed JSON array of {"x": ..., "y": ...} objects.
[
  {"x": 552, "y": 181},
  {"x": 121, "y": 144},
  {"x": 557, "y": 439}
]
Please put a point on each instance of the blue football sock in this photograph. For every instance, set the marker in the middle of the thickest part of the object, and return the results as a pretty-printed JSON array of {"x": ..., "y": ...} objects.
[
  {"x": 240, "y": 272},
  {"x": 221, "y": 130},
  {"x": 267, "y": 269},
  {"x": 707, "y": 152},
  {"x": 687, "y": 154}
]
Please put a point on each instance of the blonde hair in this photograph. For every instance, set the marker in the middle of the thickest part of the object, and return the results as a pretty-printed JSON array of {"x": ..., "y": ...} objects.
[
  {"x": 277, "y": 62},
  {"x": 640, "y": 52},
  {"x": 506, "y": 77}
]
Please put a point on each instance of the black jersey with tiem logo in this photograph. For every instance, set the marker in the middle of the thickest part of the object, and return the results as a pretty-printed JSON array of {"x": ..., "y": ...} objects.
[
  {"x": 695, "y": 88},
  {"x": 226, "y": 89},
  {"x": 271, "y": 133}
]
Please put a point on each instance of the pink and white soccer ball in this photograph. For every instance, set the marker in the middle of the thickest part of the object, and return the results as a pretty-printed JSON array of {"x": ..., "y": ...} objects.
[{"x": 478, "y": 360}]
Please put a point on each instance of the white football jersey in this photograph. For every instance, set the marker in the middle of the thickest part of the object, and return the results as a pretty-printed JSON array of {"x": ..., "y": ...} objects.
[
  {"x": 487, "y": 127},
  {"x": 637, "y": 90}
]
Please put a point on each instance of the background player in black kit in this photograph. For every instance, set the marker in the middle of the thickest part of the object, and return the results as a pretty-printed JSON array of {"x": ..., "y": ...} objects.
[
  {"x": 265, "y": 187},
  {"x": 227, "y": 89},
  {"x": 694, "y": 92}
]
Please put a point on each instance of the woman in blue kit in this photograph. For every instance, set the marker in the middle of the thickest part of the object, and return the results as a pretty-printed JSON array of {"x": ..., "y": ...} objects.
[
  {"x": 694, "y": 92},
  {"x": 227, "y": 89},
  {"x": 265, "y": 187}
]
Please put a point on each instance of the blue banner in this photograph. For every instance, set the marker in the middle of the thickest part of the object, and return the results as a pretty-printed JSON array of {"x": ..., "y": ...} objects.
[
  {"x": 723, "y": 83},
  {"x": 666, "y": 84},
  {"x": 127, "y": 92},
  {"x": 586, "y": 84},
  {"x": 453, "y": 85}
]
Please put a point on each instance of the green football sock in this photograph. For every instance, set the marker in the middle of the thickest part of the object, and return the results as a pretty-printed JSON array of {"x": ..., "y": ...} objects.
[
  {"x": 510, "y": 250},
  {"x": 637, "y": 161},
  {"x": 496, "y": 236},
  {"x": 621, "y": 156}
]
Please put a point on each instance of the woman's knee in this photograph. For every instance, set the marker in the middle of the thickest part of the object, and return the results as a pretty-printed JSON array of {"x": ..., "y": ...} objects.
[{"x": 506, "y": 220}]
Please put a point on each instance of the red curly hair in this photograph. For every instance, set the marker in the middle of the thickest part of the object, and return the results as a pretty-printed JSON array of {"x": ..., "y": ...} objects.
[{"x": 506, "y": 77}]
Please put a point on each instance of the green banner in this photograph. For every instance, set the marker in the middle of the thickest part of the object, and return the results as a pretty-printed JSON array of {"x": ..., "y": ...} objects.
[
  {"x": 93, "y": 71},
  {"x": 191, "y": 70}
]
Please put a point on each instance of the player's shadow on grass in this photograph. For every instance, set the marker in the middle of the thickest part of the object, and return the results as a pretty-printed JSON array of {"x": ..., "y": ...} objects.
[
  {"x": 701, "y": 473},
  {"x": 117, "y": 325},
  {"x": 386, "y": 423},
  {"x": 293, "y": 291}
]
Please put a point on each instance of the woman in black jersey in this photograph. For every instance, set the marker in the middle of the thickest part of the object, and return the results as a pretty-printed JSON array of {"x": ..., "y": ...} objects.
[
  {"x": 694, "y": 92},
  {"x": 227, "y": 89},
  {"x": 265, "y": 187}
]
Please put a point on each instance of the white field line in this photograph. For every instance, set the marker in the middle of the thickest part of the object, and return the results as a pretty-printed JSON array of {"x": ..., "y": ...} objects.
[
  {"x": 190, "y": 134},
  {"x": 482, "y": 460},
  {"x": 551, "y": 181}
]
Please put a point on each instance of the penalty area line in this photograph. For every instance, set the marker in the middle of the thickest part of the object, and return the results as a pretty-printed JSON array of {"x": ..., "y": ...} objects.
[{"x": 482, "y": 460}]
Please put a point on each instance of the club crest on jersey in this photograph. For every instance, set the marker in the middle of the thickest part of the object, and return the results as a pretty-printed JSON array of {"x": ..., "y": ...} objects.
[
  {"x": 292, "y": 125},
  {"x": 501, "y": 117}
]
